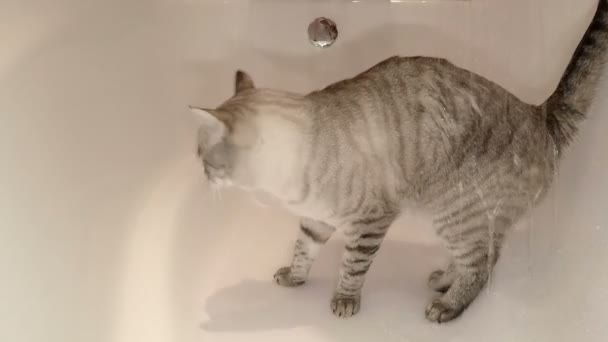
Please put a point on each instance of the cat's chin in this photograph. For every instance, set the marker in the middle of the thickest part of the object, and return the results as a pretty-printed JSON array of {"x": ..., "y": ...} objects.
[{"x": 220, "y": 183}]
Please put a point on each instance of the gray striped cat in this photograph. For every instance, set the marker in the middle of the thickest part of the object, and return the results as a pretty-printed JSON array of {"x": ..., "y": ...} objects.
[{"x": 409, "y": 132}]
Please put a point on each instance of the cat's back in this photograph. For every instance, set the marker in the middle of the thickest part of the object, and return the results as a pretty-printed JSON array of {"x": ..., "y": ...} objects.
[
  {"x": 425, "y": 88},
  {"x": 438, "y": 75},
  {"x": 444, "y": 120},
  {"x": 410, "y": 79}
]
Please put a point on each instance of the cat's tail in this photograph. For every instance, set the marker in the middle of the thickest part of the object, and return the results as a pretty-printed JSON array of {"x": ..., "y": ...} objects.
[{"x": 571, "y": 101}]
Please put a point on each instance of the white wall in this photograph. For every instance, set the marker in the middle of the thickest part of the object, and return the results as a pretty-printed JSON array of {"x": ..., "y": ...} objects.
[{"x": 107, "y": 231}]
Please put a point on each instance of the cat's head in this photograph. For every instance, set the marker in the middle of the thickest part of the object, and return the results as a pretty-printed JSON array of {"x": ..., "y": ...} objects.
[{"x": 247, "y": 140}]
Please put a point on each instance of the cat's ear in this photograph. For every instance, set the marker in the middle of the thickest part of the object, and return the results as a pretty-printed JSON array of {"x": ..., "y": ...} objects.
[
  {"x": 242, "y": 81},
  {"x": 212, "y": 128}
]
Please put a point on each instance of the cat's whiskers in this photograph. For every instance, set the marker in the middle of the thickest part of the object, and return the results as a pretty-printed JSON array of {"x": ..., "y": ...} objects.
[
  {"x": 219, "y": 193},
  {"x": 215, "y": 189}
]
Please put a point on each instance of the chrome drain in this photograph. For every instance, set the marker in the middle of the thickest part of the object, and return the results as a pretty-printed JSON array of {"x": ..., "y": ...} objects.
[{"x": 322, "y": 32}]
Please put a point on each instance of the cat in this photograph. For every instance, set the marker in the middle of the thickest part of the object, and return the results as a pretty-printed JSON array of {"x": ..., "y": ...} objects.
[{"x": 410, "y": 131}]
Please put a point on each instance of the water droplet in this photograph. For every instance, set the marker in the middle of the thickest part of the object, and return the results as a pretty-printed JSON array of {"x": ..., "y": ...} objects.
[
  {"x": 322, "y": 32},
  {"x": 516, "y": 160}
]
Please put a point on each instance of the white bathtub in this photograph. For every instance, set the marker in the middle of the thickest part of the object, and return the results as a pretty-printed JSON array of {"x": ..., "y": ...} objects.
[{"x": 109, "y": 233}]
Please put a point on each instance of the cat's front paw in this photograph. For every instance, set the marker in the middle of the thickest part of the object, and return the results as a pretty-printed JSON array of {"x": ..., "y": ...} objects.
[
  {"x": 439, "y": 312},
  {"x": 345, "y": 306},
  {"x": 284, "y": 277}
]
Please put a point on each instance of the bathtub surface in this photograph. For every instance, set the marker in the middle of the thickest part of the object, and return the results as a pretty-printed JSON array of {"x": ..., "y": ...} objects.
[{"x": 108, "y": 231}]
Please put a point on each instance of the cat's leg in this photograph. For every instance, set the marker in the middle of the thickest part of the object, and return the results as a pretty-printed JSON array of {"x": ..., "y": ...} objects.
[
  {"x": 473, "y": 267},
  {"x": 441, "y": 280},
  {"x": 474, "y": 241},
  {"x": 312, "y": 235},
  {"x": 363, "y": 242}
]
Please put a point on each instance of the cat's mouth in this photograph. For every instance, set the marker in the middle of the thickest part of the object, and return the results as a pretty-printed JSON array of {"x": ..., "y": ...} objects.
[{"x": 215, "y": 175}]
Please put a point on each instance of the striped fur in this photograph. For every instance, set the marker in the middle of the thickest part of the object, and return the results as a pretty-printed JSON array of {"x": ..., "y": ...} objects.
[{"x": 408, "y": 132}]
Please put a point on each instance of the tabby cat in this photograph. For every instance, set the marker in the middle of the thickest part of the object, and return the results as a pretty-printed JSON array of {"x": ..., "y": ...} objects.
[{"x": 408, "y": 132}]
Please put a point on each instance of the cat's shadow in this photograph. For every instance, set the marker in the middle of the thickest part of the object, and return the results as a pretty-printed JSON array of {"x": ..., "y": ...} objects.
[
  {"x": 395, "y": 288},
  {"x": 394, "y": 297},
  {"x": 394, "y": 300}
]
